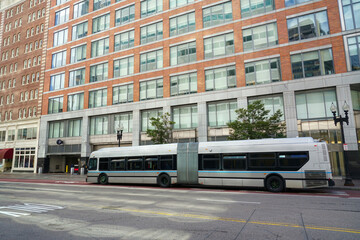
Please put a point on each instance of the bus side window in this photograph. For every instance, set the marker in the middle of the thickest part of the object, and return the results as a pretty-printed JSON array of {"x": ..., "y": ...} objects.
[
  {"x": 234, "y": 162},
  {"x": 151, "y": 163},
  {"x": 262, "y": 161},
  {"x": 92, "y": 164},
  {"x": 135, "y": 164},
  {"x": 166, "y": 163},
  {"x": 211, "y": 161},
  {"x": 117, "y": 164},
  {"x": 103, "y": 164},
  {"x": 292, "y": 160}
]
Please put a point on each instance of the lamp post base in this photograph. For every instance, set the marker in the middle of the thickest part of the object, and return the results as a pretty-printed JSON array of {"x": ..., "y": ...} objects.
[{"x": 349, "y": 182}]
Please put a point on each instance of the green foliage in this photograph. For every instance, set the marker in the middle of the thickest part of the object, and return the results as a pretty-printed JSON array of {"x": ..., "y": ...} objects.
[
  {"x": 254, "y": 123},
  {"x": 162, "y": 131}
]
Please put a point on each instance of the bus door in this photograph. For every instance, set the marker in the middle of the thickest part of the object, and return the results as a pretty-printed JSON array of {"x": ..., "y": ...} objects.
[{"x": 187, "y": 163}]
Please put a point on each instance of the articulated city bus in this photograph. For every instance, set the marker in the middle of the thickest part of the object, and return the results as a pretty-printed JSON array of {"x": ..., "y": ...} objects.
[{"x": 275, "y": 164}]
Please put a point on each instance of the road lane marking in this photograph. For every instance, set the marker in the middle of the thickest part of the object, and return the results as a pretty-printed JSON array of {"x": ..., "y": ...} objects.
[
  {"x": 226, "y": 201},
  {"x": 28, "y": 208},
  {"x": 195, "y": 216}
]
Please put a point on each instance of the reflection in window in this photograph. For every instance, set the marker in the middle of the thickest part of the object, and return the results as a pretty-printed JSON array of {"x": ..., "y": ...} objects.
[
  {"x": 183, "y": 84},
  {"x": 220, "y": 78},
  {"x": 260, "y": 37},
  {"x": 182, "y": 24},
  {"x": 255, "y": 7},
  {"x": 185, "y": 117},
  {"x": 219, "y": 114},
  {"x": 351, "y": 13},
  {"x": 151, "y": 89},
  {"x": 354, "y": 52},
  {"x": 261, "y": 72},
  {"x": 218, "y": 14}
]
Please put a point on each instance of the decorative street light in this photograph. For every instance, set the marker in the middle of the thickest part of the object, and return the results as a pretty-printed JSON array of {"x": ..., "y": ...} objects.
[
  {"x": 119, "y": 132},
  {"x": 341, "y": 120}
]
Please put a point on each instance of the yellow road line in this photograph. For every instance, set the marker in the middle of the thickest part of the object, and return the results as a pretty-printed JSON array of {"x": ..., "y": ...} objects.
[{"x": 195, "y": 216}]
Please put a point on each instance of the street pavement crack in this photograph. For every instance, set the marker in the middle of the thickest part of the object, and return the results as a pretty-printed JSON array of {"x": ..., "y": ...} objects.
[
  {"x": 302, "y": 221},
  {"x": 245, "y": 224}
]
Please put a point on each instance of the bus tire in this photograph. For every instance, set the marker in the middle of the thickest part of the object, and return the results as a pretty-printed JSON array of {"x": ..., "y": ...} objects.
[
  {"x": 164, "y": 180},
  {"x": 103, "y": 179},
  {"x": 275, "y": 184}
]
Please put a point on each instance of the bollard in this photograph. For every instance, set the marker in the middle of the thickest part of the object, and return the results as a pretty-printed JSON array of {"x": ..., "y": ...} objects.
[
  {"x": 40, "y": 170},
  {"x": 82, "y": 171},
  {"x": 72, "y": 171}
]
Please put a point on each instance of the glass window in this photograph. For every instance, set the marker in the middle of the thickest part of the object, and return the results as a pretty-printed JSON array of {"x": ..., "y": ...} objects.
[
  {"x": 218, "y": 14},
  {"x": 124, "y": 40},
  {"x": 210, "y": 162},
  {"x": 92, "y": 164},
  {"x": 125, "y": 15},
  {"x": 62, "y": 16},
  {"x": 262, "y": 161},
  {"x": 123, "y": 94},
  {"x": 234, "y": 162},
  {"x": 134, "y": 164},
  {"x": 150, "y": 7},
  {"x": 117, "y": 164},
  {"x": 81, "y": 9},
  {"x": 354, "y": 52},
  {"x": 145, "y": 118},
  {"x": 57, "y": 81},
  {"x": 151, "y": 60},
  {"x": 292, "y": 160},
  {"x": 351, "y": 13},
  {"x": 80, "y": 30},
  {"x": 98, "y": 98},
  {"x": 355, "y": 97},
  {"x": 183, "y": 54},
  {"x": 315, "y": 104},
  {"x": 99, "y": 72},
  {"x": 101, "y": 4},
  {"x": 124, "y": 121},
  {"x": 58, "y": 2},
  {"x": 185, "y": 117},
  {"x": 178, "y": 3},
  {"x": 182, "y": 24},
  {"x": 11, "y": 135},
  {"x": 78, "y": 54},
  {"x": 271, "y": 103},
  {"x": 100, "y": 47},
  {"x": 219, "y": 46},
  {"x": 289, "y": 3},
  {"x": 58, "y": 59},
  {"x": 220, "y": 78},
  {"x": 55, "y": 105},
  {"x": 312, "y": 64},
  {"x": 99, "y": 125},
  {"x": 255, "y": 7},
  {"x": 261, "y": 72},
  {"x": 101, "y": 23},
  {"x": 151, "y": 89},
  {"x": 56, "y": 129},
  {"x": 74, "y": 128},
  {"x": 60, "y": 37},
  {"x": 77, "y": 77},
  {"x": 123, "y": 67},
  {"x": 183, "y": 84},
  {"x": 220, "y": 113},
  {"x": 260, "y": 37},
  {"x": 151, "y": 33},
  {"x": 75, "y": 102}
]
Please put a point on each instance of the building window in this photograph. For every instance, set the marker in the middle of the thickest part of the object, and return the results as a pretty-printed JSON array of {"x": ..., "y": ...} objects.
[
  {"x": 101, "y": 4},
  {"x": 100, "y": 47},
  {"x": 182, "y": 24},
  {"x": 97, "y": 98},
  {"x": 74, "y": 128},
  {"x": 271, "y": 103},
  {"x": 354, "y": 52},
  {"x": 79, "y": 30},
  {"x": 151, "y": 33},
  {"x": 151, "y": 89},
  {"x": 146, "y": 116},
  {"x": 62, "y": 16},
  {"x": 289, "y": 3},
  {"x": 77, "y": 77},
  {"x": 125, "y": 15},
  {"x": 151, "y": 60},
  {"x": 99, "y": 72},
  {"x": 182, "y": 54},
  {"x": 58, "y": 2},
  {"x": 185, "y": 117},
  {"x": 58, "y": 59},
  {"x": 183, "y": 84},
  {"x": 57, "y": 81},
  {"x": 56, "y": 129},
  {"x": 217, "y": 14},
  {"x": 312, "y": 64},
  {"x": 81, "y": 9},
  {"x": 351, "y": 12},
  {"x": 11, "y": 135},
  {"x": 179, "y": 3},
  {"x": 99, "y": 125},
  {"x": 220, "y": 113},
  {"x": 260, "y": 37},
  {"x": 24, "y": 157},
  {"x": 75, "y": 102},
  {"x": 124, "y": 40},
  {"x": 315, "y": 104},
  {"x": 2, "y": 136},
  {"x": 55, "y": 105},
  {"x": 78, "y": 54},
  {"x": 150, "y": 7},
  {"x": 260, "y": 72},
  {"x": 123, "y": 120},
  {"x": 220, "y": 78},
  {"x": 101, "y": 23},
  {"x": 308, "y": 26},
  {"x": 123, "y": 67},
  {"x": 219, "y": 46},
  {"x": 123, "y": 94}
]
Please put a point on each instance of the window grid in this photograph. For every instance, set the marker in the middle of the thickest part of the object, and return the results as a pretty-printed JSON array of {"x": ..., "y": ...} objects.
[
  {"x": 151, "y": 33},
  {"x": 220, "y": 78},
  {"x": 75, "y": 102},
  {"x": 260, "y": 37},
  {"x": 101, "y": 23},
  {"x": 182, "y": 24},
  {"x": 219, "y": 114},
  {"x": 218, "y": 46},
  {"x": 351, "y": 13},
  {"x": 183, "y": 84},
  {"x": 79, "y": 30},
  {"x": 81, "y": 9},
  {"x": 78, "y": 54},
  {"x": 182, "y": 54},
  {"x": 150, "y": 7},
  {"x": 261, "y": 72},
  {"x": 151, "y": 89},
  {"x": 123, "y": 67},
  {"x": 145, "y": 118},
  {"x": 124, "y": 40},
  {"x": 57, "y": 82},
  {"x": 255, "y": 7},
  {"x": 124, "y": 121},
  {"x": 55, "y": 105},
  {"x": 217, "y": 14},
  {"x": 123, "y": 94},
  {"x": 77, "y": 77},
  {"x": 151, "y": 60},
  {"x": 97, "y": 98},
  {"x": 99, "y": 72},
  {"x": 125, "y": 15},
  {"x": 185, "y": 117},
  {"x": 100, "y": 47},
  {"x": 60, "y": 37}
]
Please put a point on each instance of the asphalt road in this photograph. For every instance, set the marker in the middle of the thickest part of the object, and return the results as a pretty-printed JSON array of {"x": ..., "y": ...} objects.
[{"x": 67, "y": 211}]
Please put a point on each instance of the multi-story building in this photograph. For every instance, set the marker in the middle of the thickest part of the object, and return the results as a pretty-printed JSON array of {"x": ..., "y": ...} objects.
[
  {"x": 112, "y": 64},
  {"x": 22, "y": 65}
]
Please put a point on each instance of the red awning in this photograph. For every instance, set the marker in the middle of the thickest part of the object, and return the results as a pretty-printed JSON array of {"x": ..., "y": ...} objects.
[{"x": 6, "y": 153}]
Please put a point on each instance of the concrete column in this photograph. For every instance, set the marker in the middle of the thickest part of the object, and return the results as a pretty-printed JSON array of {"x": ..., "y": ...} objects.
[
  {"x": 43, "y": 140},
  {"x": 85, "y": 137},
  {"x": 290, "y": 114},
  {"x": 167, "y": 109},
  {"x": 136, "y": 127},
  {"x": 344, "y": 94},
  {"x": 202, "y": 122}
]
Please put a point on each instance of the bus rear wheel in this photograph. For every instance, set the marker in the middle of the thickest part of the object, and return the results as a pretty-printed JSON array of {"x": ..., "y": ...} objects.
[
  {"x": 164, "y": 180},
  {"x": 274, "y": 184},
  {"x": 103, "y": 179}
]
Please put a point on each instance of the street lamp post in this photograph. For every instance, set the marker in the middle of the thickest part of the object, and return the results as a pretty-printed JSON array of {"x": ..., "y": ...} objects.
[
  {"x": 119, "y": 132},
  {"x": 341, "y": 120}
]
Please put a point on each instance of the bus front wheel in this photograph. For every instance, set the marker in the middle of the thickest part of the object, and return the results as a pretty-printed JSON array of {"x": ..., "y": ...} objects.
[
  {"x": 274, "y": 184},
  {"x": 103, "y": 179},
  {"x": 164, "y": 180}
]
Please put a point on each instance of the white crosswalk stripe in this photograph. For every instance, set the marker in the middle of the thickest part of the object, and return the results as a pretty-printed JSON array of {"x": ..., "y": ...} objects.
[{"x": 27, "y": 208}]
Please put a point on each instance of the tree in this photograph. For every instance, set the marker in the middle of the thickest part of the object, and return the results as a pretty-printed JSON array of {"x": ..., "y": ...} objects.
[
  {"x": 254, "y": 123},
  {"x": 162, "y": 129}
]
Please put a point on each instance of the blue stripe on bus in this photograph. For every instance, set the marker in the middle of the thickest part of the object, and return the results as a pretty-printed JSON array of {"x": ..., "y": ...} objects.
[
  {"x": 144, "y": 171},
  {"x": 252, "y": 172}
]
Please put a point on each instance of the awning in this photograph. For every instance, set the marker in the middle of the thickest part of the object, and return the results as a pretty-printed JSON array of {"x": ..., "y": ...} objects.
[{"x": 6, "y": 153}]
